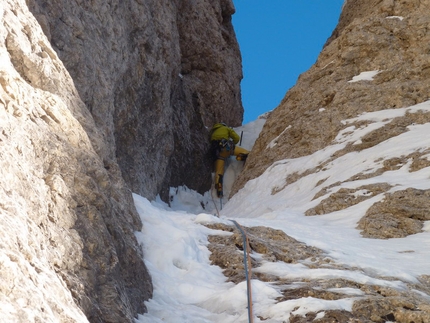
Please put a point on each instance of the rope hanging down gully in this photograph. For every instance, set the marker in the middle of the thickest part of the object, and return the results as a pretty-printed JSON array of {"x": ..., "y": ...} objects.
[{"x": 246, "y": 262}]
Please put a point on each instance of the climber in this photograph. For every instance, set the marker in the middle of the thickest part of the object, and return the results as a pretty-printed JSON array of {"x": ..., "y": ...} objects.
[{"x": 223, "y": 142}]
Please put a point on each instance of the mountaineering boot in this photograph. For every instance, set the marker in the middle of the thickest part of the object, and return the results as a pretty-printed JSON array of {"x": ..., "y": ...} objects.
[{"x": 241, "y": 157}]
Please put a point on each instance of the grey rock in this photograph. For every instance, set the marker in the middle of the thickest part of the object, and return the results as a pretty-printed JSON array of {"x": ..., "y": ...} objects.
[
  {"x": 99, "y": 99},
  {"x": 69, "y": 253},
  {"x": 155, "y": 75}
]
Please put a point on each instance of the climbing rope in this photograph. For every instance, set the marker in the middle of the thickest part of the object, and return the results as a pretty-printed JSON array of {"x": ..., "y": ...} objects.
[
  {"x": 248, "y": 274},
  {"x": 246, "y": 258}
]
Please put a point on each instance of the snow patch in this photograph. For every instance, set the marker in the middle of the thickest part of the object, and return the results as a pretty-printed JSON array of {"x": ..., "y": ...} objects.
[
  {"x": 395, "y": 17},
  {"x": 364, "y": 76},
  {"x": 274, "y": 142}
]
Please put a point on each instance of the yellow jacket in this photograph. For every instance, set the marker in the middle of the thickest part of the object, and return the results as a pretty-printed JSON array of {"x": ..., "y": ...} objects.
[{"x": 221, "y": 131}]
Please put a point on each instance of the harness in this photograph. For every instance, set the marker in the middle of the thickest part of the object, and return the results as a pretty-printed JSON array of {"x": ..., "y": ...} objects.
[{"x": 222, "y": 145}]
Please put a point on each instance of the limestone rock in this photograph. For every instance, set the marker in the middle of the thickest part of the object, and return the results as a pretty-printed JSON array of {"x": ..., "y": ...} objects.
[
  {"x": 273, "y": 245},
  {"x": 373, "y": 303},
  {"x": 384, "y": 36},
  {"x": 155, "y": 76},
  {"x": 345, "y": 198},
  {"x": 98, "y": 99},
  {"x": 400, "y": 214},
  {"x": 387, "y": 38},
  {"x": 68, "y": 250}
]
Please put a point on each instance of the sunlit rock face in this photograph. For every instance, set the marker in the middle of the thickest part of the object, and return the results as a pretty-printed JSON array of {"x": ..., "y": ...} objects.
[
  {"x": 154, "y": 75},
  {"x": 99, "y": 99},
  {"x": 352, "y": 117},
  {"x": 68, "y": 251},
  {"x": 388, "y": 38}
]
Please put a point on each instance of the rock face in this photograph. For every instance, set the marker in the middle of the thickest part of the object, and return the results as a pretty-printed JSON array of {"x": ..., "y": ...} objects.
[
  {"x": 98, "y": 99},
  {"x": 372, "y": 35},
  {"x": 376, "y": 303},
  {"x": 154, "y": 75},
  {"x": 402, "y": 213},
  {"x": 273, "y": 244},
  {"x": 386, "y": 39},
  {"x": 332, "y": 117},
  {"x": 68, "y": 221}
]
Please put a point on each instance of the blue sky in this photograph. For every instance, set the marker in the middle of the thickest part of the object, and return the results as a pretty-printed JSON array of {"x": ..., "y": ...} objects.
[{"x": 279, "y": 40}]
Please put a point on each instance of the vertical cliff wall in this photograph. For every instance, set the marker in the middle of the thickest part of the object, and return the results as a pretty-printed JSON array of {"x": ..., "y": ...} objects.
[
  {"x": 389, "y": 37},
  {"x": 99, "y": 99},
  {"x": 153, "y": 74},
  {"x": 68, "y": 251}
]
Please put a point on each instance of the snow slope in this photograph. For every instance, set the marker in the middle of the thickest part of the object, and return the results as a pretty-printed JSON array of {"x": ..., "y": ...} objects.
[{"x": 187, "y": 288}]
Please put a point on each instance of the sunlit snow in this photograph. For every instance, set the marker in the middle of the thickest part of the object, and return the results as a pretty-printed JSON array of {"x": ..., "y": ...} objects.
[
  {"x": 395, "y": 17},
  {"x": 187, "y": 288},
  {"x": 364, "y": 76}
]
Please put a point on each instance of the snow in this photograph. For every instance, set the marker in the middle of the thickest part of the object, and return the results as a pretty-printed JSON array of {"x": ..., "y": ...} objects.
[
  {"x": 395, "y": 17},
  {"x": 187, "y": 288},
  {"x": 364, "y": 76},
  {"x": 274, "y": 142}
]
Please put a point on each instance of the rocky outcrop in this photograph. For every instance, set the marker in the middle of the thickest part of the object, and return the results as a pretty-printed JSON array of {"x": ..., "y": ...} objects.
[
  {"x": 68, "y": 248},
  {"x": 154, "y": 75},
  {"x": 376, "y": 303},
  {"x": 273, "y": 245},
  {"x": 400, "y": 214},
  {"x": 98, "y": 99},
  {"x": 349, "y": 131},
  {"x": 372, "y": 35}
]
